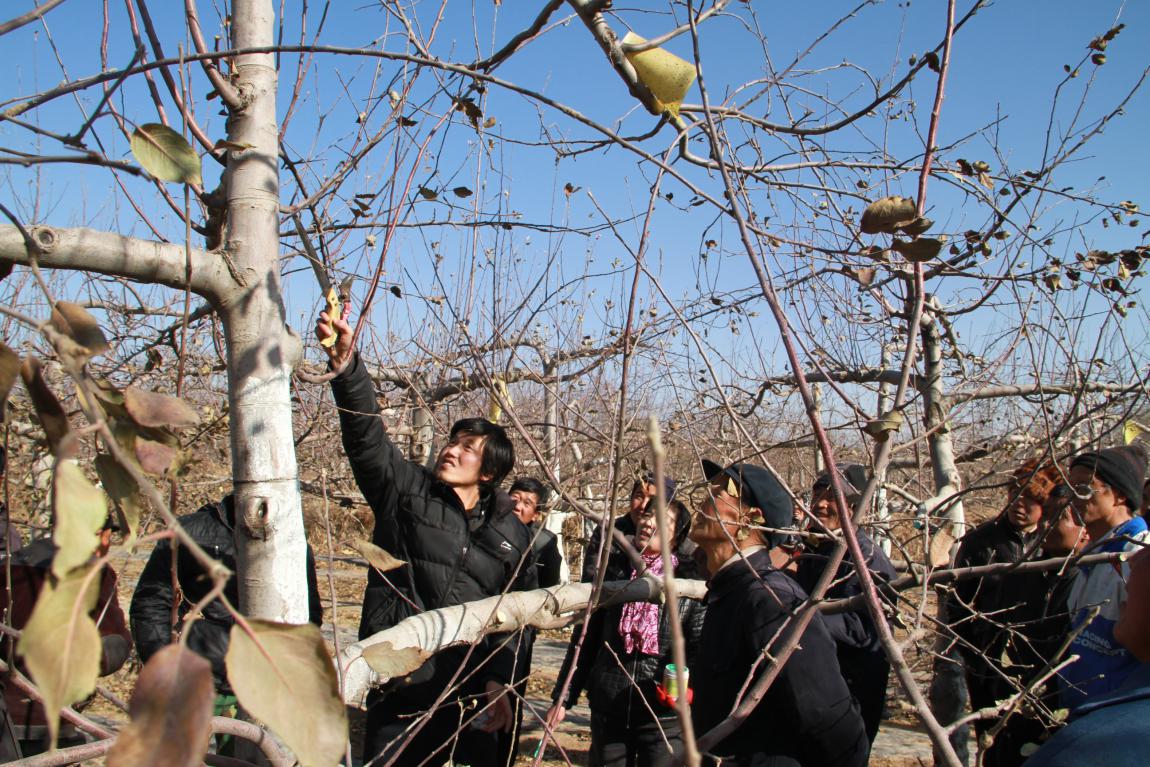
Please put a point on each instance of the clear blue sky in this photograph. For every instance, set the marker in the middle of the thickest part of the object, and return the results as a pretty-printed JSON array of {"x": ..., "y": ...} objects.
[{"x": 1006, "y": 67}]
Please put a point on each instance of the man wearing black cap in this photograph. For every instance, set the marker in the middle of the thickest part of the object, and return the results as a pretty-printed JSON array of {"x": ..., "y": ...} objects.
[
  {"x": 807, "y": 715},
  {"x": 1107, "y": 486},
  {"x": 861, "y": 658}
]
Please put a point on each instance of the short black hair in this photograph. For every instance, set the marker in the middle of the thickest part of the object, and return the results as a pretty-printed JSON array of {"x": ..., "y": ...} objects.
[
  {"x": 532, "y": 485},
  {"x": 498, "y": 452}
]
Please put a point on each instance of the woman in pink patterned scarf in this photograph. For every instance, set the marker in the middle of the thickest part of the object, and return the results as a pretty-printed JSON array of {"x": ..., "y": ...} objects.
[{"x": 623, "y": 657}]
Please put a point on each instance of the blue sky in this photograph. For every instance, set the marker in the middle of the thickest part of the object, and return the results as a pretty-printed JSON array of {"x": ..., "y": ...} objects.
[{"x": 1006, "y": 67}]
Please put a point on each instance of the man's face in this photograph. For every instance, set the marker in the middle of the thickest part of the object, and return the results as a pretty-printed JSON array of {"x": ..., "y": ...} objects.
[
  {"x": 1133, "y": 628},
  {"x": 1066, "y": 534},
  {"x": 460, "y": 460},
  {"x": 717, "y": 508},
  {"x": 643, "y": 492},
  {"x": 526, "y": 505},
  {"x": 1095, "y": 501},
  {"x": 1024, "y": 512},
  {"x": 825, "y": 509}
]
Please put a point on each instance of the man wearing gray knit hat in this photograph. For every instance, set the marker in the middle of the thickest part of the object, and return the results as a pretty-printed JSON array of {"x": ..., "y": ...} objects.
[{"x": 1107, "y": 493}]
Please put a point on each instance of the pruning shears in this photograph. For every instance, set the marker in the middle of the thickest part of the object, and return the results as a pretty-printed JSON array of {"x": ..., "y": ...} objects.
[{"x": 334, "y": 300}]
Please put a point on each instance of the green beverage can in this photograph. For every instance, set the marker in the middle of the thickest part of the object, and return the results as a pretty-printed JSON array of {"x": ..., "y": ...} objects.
[{"x": 671, "y": 680}]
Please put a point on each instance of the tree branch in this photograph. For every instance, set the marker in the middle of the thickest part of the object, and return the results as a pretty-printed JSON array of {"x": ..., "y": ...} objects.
[{"x": 114, "y": 254}]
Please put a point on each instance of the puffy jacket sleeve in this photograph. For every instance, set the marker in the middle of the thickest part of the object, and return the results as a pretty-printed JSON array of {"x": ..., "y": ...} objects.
[
  {"x": 550, "y": 561},
  {"x": 813, "y": 697},
  {"x": 115, "y": 639},
  {"x": 150, "y": 612},
  {"x": 380, "y": 468}
]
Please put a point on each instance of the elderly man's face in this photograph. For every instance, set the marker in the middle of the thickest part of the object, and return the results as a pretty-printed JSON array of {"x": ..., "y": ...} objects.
[{"x": 826, "y": 510}]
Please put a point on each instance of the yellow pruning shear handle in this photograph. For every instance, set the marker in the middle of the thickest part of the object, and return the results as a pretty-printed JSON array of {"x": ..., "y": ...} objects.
[
  {"x": 334, "y": 311},
  {"x": 334, "y": 300}
]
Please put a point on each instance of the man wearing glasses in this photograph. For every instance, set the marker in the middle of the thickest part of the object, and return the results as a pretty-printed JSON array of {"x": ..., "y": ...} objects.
[{"x": 1107, "y": 490}]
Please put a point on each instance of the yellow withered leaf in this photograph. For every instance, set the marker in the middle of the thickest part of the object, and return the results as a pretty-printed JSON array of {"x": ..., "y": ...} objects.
[
  {"x": 667, "y": 76},
  {"x": 61, "y": 644}
]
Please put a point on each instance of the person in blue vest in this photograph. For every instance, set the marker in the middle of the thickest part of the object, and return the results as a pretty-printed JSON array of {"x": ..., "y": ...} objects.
[
  {"x": 1107, "y": 487},
  {"x": 1111, "y": 729}
]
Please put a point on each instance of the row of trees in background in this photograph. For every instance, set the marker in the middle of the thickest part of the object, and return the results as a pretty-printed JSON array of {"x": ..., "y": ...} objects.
[{"x": 764, "y": 290}]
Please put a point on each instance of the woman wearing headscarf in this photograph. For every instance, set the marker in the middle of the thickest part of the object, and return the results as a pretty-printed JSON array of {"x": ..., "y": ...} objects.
[{"x": 623, "y": 658}]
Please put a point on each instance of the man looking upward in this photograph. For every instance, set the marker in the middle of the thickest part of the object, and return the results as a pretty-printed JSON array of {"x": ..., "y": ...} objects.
[{"x": 461, "y": 541}]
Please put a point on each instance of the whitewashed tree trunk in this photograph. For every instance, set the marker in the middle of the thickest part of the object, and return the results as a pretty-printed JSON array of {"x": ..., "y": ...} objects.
[
  {"x": 242, "y": 283},
  {"x": 262, "y": 351}
]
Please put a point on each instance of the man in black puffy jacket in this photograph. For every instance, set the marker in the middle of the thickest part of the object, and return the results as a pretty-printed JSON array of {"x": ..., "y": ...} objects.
[
  {"x": 461, "y": 542},
  {"x": 211, "y": 526}
]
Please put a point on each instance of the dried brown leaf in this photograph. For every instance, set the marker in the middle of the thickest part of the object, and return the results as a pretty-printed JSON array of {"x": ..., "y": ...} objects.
[
  {"x": 171, "y": 710},
  {"x": 156, "y": 411},
  {"x": 377, "y": 557},
  {"x": 887, "y": 215},
  {"x": 75, "y": 322},
  {"x": 392, "y": 663},
  {"x": 285, "y": 677},
  {"x": 51, "y": 413}
]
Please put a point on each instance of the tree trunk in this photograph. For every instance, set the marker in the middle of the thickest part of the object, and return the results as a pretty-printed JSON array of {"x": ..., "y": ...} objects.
[
  {"x": 948, "y": 685},
  {"x": 262, "y": 351}
]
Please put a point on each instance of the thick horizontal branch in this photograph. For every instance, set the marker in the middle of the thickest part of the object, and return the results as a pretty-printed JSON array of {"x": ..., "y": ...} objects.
[
  {"x": 465, "y": 624},
  {"x": 561, "y": 605},
  {"x": 146, "y": 261}
]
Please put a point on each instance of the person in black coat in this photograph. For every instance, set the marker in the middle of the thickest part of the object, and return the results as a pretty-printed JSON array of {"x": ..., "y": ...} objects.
[
  {"x": 992, "y": 616},
  {"x": 530, "y": 497},
  {"x": 212, "y": 527},
  {"x": 622, "y": 662},
  {"x": 806, "y": 716},
  {"x": 461, "y": 541},
  {"x": 861, "y": 658}
]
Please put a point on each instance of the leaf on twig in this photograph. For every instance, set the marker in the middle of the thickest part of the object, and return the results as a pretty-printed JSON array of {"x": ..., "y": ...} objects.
[
  {"x": 428, "y": 194},
  {"x": 940, "y": 545},
  {"x": 171, "y": 710},
  {"x": 392, "y": 663},
  {"x": 123, "y": 491},
  {"x": 917, "y": 227},
  {"x": 888, "y": 215},
  {"x": 285, "y": 677},
  {"x": 154, "y": 457},
  {"x": 667, "y": 76},
  {"x": 165, "y": 154},
  {"x": 75, "y": 322},
  {"x": 922, "y": 249},
  {"x": 462, "y": 191},
  {"x": 79, "y": 511},
  {"x": 376, "y": 557},
  {"x": 61, "y": 645},
  {"x": 48, "y": 409},
  {"x": 880, "y": 428},
  {"x": 9, "y": 369},
  {"x": 155, "y": 411}
]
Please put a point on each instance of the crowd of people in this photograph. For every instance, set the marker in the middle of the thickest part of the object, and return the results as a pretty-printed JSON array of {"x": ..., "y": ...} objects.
[{"x": 774, "y": 679}]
